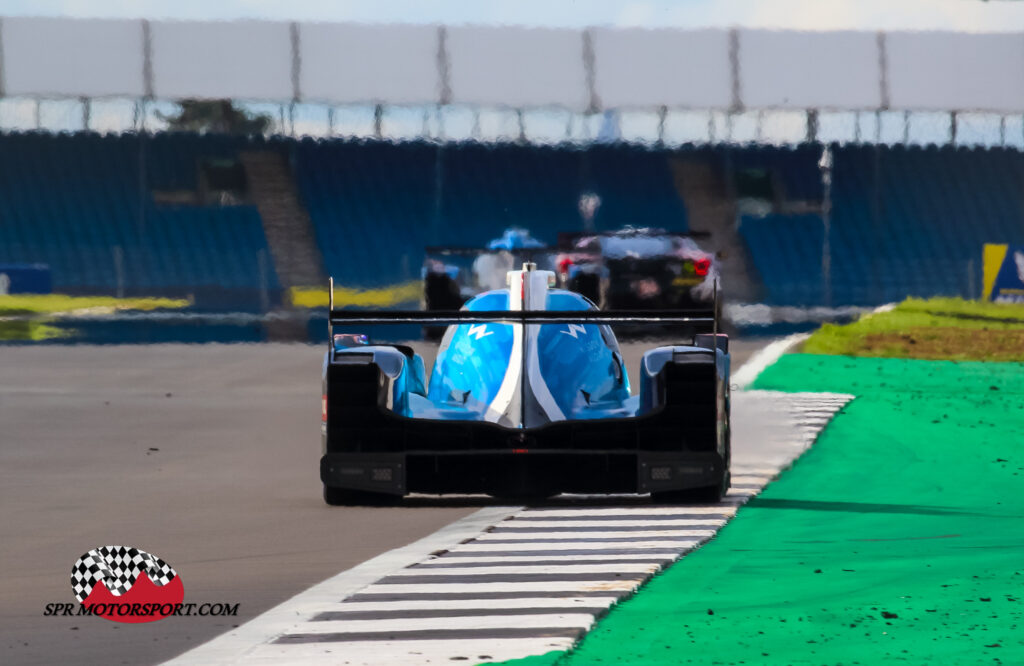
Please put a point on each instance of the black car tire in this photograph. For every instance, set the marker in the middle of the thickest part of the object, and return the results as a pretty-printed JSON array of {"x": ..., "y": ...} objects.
[
  {"x": 702, "y": 495},
  {"x": 588, "y": 285},
  {"x": 346, "y": 497}
]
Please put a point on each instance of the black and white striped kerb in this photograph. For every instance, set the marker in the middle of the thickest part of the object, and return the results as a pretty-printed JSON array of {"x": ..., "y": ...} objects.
[
  {"x": 530, "y": 583},
  {"x": 118, "y": 567}
]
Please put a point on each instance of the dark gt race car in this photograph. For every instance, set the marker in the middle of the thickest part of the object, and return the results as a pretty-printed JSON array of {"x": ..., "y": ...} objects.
[
  {"x": 528, "y": 397},
  {"x": 453, "y": 275},
  {"x": 638, "y": 268}
]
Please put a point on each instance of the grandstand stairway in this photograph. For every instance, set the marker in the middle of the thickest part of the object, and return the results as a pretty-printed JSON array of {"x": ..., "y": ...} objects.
[
  {"x": 710, "y": 208},
  {"x": 286, "y": 223}
]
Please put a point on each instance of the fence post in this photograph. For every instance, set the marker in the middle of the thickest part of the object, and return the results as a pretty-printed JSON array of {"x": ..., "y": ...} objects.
[
  {"x": 119, "y": 269},
  {"x": 825, "y": 165},
  {"x": 261, "y": 261},
  {"x": 972, "y": 292}
]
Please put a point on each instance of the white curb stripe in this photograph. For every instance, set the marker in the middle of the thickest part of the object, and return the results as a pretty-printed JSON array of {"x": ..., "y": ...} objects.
[
  {"x": 611, "y": 524},
  {"x": 397, "y": 626},
  {"x": 757, "y": 363},
  {"x": 585, "y": 545},
  {"x": 624, "y": 567},
  {"x": 583, "y": 537},
  {"x": 412, "y": 653},
  {"x": 534, "y": 546},
  {"x": 481, "y": 604},
  {"x": 643, "y": 509},
  {"x": 462, "y": 562},
  {"x": 546, "y": 586}
]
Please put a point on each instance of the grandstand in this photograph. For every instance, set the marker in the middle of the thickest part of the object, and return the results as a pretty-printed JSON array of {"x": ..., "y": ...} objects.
[
  {"x": 906, "y": 221},
  {"x": 236, "y": 221},
  {"x": 392, "y": 200},
  {"x": 77, "y": 204}
]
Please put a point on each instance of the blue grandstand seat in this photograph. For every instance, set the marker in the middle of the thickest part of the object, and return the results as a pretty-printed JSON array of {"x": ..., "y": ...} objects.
[
  {"x": 70, "y": 200},
  {"x": 906, "y": 221},
  {"x": 376, "y": 205}
]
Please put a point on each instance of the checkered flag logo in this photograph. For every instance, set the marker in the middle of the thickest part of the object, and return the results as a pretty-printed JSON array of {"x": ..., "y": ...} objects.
[{"x": 118, "y": 567}]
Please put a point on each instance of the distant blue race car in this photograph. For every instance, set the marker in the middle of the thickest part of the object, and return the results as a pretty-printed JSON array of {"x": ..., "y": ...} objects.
[
  {"x": 452, "y": 275},
  {"x": 528, "y": 397}
]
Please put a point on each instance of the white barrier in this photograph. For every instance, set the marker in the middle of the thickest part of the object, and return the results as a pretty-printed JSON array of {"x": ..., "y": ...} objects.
[{"x": 512, "y": 67}]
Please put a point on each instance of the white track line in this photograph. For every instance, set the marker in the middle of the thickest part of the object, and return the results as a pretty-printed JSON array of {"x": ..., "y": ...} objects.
[{"x": 757, "y": 363}]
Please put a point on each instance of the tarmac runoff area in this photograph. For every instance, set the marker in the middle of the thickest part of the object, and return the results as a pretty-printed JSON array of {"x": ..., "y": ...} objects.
[{"x": 207, "y": 456}]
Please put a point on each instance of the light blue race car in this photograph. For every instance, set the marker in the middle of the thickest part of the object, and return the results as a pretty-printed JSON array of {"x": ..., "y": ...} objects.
[
  {"x": 452, "y": 275},
  {"x": 528, "y": 397}
]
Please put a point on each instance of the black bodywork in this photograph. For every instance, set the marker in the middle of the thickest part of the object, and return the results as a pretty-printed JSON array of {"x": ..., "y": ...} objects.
[
  {"x": 372, "y": 449},
  {"x": 679, "y": 451},
  {"x": 613, "y": 282}
]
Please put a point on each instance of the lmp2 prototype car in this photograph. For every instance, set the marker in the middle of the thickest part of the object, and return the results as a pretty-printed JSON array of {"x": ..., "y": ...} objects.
[
  {"x": 639, "y": 268},
  {"x": 452, "y": 275},
  {"x": 528, "y": 397}
]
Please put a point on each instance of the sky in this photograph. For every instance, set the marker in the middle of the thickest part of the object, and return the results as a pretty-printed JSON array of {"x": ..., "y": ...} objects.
[{"x": 954, "y": 15}]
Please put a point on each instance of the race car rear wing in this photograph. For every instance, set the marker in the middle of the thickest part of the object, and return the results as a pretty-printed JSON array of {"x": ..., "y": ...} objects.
[
  {"x": 461, "y": 251},
  {"x": 452, "y": 317},
  {"x": 567, "y": 238},
  {"x": 702, "y": 320}
]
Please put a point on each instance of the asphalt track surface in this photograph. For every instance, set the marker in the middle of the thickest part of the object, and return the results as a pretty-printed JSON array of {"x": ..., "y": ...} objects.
[{"x": 205, "y": 455}]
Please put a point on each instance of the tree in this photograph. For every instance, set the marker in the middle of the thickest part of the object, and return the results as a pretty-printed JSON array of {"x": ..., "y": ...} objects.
[{"x": 216, "y": 115}]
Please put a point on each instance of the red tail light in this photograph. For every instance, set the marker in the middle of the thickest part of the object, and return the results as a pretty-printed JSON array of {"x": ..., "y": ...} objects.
[
  {"x": 702, "y": 266},
  {"x": 323, "y": 409}
]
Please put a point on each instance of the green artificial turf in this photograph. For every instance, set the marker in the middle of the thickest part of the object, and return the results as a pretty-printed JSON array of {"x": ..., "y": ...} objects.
[{"x": 898, "y": 538}]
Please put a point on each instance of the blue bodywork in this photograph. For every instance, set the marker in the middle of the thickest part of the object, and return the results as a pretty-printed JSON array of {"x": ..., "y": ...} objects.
[
  {"x": 580, "y": 368},
  {"x": 515, "y": 238}
]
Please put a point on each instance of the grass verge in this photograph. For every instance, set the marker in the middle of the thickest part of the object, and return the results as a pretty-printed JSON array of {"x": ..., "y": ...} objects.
[
  {"x": 27, "y": 317},
  {"x": 937, "y": 328},
  {"x": 44, "y": 304},
  {"x": 896, "y": 538},
  {"x": 316, "y": 297}
]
